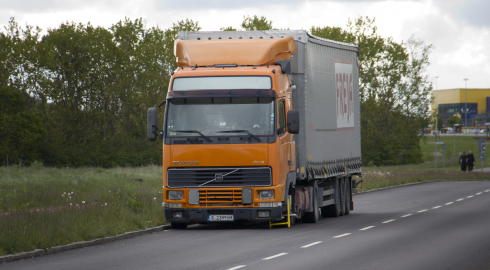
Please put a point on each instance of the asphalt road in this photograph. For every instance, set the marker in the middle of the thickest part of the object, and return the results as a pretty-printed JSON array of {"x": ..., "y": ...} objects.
[{"x": 439, "y": 225}]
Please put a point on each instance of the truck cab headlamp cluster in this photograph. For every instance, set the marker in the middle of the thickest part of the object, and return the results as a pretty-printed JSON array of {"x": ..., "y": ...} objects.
[
  {"x": 266, "y": 194},
  {"x": 175, "y": 194},
  {"x": 270, "y": 204}
]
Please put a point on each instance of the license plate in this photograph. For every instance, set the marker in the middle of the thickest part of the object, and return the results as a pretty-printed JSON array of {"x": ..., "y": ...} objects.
[{"x": 220, "y": 218}]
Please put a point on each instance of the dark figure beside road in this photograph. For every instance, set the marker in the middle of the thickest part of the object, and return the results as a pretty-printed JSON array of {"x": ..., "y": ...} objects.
[
  {"x": 471, "y": 161},
  {"x": 462, "y": 161}
]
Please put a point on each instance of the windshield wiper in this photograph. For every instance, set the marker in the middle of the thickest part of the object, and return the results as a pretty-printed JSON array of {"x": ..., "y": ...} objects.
[
  {"x": 240, "y": 130},
  {"x": 192, "y": 131}
]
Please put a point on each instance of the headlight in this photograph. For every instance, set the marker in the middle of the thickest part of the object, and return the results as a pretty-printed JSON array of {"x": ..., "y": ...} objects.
[
  {"x": 266, "y": 194},
  {"x": 175, "y": 194}
]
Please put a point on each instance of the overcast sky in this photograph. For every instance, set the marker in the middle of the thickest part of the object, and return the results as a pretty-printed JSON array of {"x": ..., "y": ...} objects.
[{"x": 458, "y": 29}]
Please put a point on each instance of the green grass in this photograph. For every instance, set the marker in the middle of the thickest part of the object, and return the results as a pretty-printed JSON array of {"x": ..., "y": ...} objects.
[
  {"x": 379, "y": 177},
  {"x": 44, "y": 207}
]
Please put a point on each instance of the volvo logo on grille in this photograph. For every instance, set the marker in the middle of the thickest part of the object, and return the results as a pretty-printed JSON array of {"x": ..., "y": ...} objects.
[
  {"x": 186, "y": 163},
  {"x": 218, "y": 177}
]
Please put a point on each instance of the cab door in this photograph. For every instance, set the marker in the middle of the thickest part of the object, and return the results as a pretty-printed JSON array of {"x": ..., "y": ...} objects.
[{"x": 285, "y": 157}]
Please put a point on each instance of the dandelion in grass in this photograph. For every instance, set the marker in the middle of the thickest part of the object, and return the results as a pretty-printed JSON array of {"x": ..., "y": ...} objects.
[
  {"x": 83, "y": 201},
  {"x": 105, "y": 204},
  {"x": 155, "y": 198},
  {"x": 71, "y": 204}
]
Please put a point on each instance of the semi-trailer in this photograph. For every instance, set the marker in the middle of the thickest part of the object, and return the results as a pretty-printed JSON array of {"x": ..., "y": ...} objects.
[{"x": 260, "y": 126}]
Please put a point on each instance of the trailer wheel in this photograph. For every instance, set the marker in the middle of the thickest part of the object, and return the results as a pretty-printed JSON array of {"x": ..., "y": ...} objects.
[
  {"x": 347, "y": 196},
  {"x": 312, "y": 217},
  {"x": 178, "y": 226},
  {"x": 333, "y": 210},
  {"x": 342, "y": 196}
]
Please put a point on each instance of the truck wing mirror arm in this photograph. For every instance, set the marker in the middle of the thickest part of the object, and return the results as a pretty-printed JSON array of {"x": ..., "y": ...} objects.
[{"x": 159, "y": 133}]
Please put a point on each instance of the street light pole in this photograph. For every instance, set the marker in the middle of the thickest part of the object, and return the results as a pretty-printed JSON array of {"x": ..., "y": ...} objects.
[
  {"x": 454, "y": 130},
  {"x": 465, "y": 105},
  {"x": 437, "y": 110}
]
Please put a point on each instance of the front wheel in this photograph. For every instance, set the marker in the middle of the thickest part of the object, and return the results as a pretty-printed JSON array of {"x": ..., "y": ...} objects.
[{"x": 178, "y": 226}]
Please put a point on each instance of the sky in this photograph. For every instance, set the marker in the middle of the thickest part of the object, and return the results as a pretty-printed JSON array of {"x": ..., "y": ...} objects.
[{"x": 459, "y": 30}]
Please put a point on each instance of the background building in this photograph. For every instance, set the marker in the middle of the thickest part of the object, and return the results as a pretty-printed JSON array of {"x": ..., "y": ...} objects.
[{"x": 452, "y": 102}]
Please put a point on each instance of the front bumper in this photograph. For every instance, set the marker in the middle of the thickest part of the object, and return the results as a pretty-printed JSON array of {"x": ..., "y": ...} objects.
[{"x": 200, "y": 215}]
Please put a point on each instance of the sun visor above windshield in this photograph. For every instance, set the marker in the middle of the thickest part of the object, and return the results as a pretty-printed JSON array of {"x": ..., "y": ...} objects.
[
  {"x": 221, "y": 93},
  {"x": 233, "y": 51}
]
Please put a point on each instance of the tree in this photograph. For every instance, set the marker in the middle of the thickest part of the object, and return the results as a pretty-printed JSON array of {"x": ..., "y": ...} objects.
[
  {"x": 82, "y": 92},
  {"x": 453, "y": 120},
  {"x": 21, "y": 131},
  {"x": 229, "y": 28},
  {"x": 256, "y": 24},
  {"x": 393, "y": 89},
  {"x": 252, "y": 24}
]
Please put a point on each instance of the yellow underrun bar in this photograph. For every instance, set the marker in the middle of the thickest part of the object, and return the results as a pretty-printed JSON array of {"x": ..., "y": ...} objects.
[{"x": 282, "y": 223}]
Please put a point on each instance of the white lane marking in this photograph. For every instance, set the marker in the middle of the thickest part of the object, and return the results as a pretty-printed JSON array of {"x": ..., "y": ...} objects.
[
  {"x": 367, "y": 228},
  {"x": 458, "y": 200},
  {"x": 478, "y": 193},
  {"x": 435, "y": 207},
  {"x": 449, "y": 203},
  {"x": 487, "y": 190},
  {"x": 407, "y": 215},
  {"x": 471, "y": 196},
  {"x": 425, "y": 210},
  {"x": 236, "y": 267},
  {"x": 342, "y": 235},
  {"x": 312, "y": 244},
  {"x": 275, "y": 256},
  {"x": 388, "y": 221}
]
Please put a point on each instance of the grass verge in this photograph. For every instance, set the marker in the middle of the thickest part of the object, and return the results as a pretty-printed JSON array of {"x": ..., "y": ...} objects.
[{"x": 45, "y": 207}]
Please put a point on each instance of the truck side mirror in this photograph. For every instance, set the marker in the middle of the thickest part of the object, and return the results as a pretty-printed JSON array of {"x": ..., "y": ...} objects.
[
  {"x": 152, "y": 124},
  {"x": 293, "y": 121}
]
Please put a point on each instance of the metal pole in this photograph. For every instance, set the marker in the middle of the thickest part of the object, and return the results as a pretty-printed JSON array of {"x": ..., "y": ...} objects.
[
  {"x": 443, "y": 158},
  {"x": 436, "y": 157},
  {"x": 465, "y": 105},
  {"x": 437, "y": 110},
  {"x": 454, "y": 130}
]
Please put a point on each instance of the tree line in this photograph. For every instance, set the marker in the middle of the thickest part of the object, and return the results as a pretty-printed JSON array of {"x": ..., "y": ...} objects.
[{"x": 78, "y": 95}]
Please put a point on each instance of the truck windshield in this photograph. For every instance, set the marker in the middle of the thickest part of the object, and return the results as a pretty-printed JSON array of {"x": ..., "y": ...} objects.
[
  {"x": 224, "y": 82},
  {"x": 211, "y": 116}
]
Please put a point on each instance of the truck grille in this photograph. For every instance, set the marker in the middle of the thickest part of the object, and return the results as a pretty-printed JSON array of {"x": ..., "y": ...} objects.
[
  {"x": 231, "y": 177},
  {"x": 218, "y": 197}
]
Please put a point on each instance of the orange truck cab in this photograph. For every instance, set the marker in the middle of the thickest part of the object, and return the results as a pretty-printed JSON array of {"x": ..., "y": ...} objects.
[{"x": 229, "y": 146}]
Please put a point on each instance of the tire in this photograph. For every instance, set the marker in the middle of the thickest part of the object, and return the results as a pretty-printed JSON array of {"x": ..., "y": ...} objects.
[
  {"x": 334, "y": 209},
  {"x": 312, "y": 217},
  {"x": 178, "y": 226},
  {"x": 348, "y": 196},
  {"x": 342, "y": 196}
]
